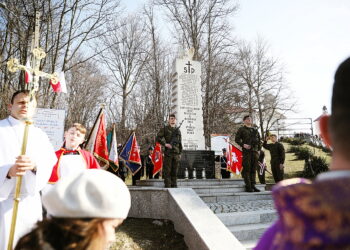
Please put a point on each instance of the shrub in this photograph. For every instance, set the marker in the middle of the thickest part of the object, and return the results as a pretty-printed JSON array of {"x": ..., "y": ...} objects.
[
  {"x": 294, "y": 149},
  {"x": 314, "y": 166},
  {"x": 297, "y": 142},
  {"x": 304, "y": 153},
  {"x": 286, "y": 139}
]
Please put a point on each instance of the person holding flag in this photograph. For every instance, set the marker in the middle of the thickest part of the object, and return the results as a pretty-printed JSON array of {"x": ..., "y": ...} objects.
[
  {"x": 71, "y": 159},
  {"x": 170, "y": 138},
  {"x": 148, "y": 163},
  {"x": 225, "y": 174}
]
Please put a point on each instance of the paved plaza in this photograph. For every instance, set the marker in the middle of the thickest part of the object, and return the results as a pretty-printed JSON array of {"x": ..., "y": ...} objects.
[{"x": 246, "y": 206}]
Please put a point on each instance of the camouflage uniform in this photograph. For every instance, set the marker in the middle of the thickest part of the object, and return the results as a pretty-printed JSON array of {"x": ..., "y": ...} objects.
[
  {"x": 277, "y": 157},
  {"x": 249, "y": 136},
  {"x": 171, "y": 161}
]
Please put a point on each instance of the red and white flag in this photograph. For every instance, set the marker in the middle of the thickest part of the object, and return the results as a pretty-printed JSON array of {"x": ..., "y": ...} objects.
[
  {"x": 234, "y": 159},
  {"x": 113, "y": 152},
  {"x": 157, "y": 159},
  {"x": 61, "y": 85},
  {"x": 135, "y": 152},
  {"x": 97, "y": 142},
  {"x": 28, "y": 76}
]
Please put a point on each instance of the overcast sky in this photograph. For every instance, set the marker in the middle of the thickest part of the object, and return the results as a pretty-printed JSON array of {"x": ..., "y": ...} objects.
[{"x": 310, "y": 38}]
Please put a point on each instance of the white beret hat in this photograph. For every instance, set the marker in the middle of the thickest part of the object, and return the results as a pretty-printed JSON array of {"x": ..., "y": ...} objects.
[{"x": 93, "y": 193}]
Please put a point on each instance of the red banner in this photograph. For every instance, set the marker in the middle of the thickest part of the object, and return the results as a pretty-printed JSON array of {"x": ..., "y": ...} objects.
[
  {"x": 134, "y": 152},
  {"x": 157, "y": 159},
  {"x": 234, "y": 159},
  {"x": 100, "y": 148}
]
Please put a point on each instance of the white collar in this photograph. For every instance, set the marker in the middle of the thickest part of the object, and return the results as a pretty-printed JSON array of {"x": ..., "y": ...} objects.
[
  {"x": 335, "y": 174},
  {"x": 14, "y": 122}
]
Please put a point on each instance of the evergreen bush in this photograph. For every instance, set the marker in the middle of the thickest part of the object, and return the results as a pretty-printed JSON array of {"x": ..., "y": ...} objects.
[
  {"x": 294, "y": 149},
  {"x": 314, "y": 166},
  {"x": 297, "y": 142},
  {"x": 304, "y": 153}
]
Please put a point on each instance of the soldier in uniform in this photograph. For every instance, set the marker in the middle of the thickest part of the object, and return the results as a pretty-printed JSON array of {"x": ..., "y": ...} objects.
[
  {"x": 170, "y": 138},
  {"x": 277, "y": 157},
  {"x": 249, "y": 139}
]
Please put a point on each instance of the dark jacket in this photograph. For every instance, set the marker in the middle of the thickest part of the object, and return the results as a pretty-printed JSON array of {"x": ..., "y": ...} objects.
[
  {"x": 170, "y": 135},
  {"x": 249, "y": 136},
  {"x": 276, "y": 151}
]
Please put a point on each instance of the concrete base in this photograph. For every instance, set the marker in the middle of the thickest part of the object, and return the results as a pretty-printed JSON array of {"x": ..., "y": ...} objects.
[{"x": 191, "y": 216}]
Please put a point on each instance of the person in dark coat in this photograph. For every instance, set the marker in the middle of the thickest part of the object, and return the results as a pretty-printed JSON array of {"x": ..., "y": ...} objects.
[
  {"x": 148, "y": 163},
  {"x": 223, "y": 164},
  {"x": 278, "y": 155}
]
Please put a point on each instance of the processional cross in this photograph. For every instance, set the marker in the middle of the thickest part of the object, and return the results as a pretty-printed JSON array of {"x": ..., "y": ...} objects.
[{"x": 13, "y": 65}]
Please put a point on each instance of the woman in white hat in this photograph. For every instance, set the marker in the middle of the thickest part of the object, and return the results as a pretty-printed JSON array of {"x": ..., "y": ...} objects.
[{"x": 84, "y": 211}]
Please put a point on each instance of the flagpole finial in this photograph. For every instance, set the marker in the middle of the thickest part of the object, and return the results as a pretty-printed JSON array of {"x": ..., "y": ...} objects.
[{"x": 103, "y": 105}]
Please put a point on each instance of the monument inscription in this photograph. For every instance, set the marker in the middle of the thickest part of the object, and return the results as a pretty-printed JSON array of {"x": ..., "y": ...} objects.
[{"x": 187, "y": 103}]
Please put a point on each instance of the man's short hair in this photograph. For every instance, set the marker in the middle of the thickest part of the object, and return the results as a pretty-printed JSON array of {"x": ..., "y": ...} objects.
[
  {"x": 273, "y": 135},
  {"x": 17, "y": 93},
  {"x": 172, "y": 115},
  {"x": 78, "y": 127},
  {"x": 224, "y": 150},
  {"x": 245, "y": 117},
  {"x": 340, "y": 117}
]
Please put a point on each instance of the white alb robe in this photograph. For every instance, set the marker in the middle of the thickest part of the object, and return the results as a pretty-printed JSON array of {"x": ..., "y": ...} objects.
[
  {"x": 69, "y": 165},
  {"x": 42, "y": 153}
]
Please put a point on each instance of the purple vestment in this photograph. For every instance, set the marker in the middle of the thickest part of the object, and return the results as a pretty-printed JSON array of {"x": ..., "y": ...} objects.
[{"x": 312, "y": 215}]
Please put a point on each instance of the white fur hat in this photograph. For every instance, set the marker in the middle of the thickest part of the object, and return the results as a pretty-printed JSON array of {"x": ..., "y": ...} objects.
[{"x": 93, "y": 193}]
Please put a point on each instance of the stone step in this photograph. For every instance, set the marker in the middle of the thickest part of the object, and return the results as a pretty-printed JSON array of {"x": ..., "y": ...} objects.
[
  {"x": 249, "y": 232},
  {"x": 236, "y": 197},
  {"x": 214, "y": 189},
  {"x": 248, "y": 217},
  {"x": 249, "y": 244},
  {"x": 192, "y": 182}
]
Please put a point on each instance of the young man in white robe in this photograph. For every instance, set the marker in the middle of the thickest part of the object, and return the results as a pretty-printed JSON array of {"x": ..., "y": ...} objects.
[{"x": 35, "y": 167}]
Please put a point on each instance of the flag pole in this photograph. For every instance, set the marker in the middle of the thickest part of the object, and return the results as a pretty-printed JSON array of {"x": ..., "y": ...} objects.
[
  {"x": 18, "y": 188},
  {"x": 102, "y": 106}
]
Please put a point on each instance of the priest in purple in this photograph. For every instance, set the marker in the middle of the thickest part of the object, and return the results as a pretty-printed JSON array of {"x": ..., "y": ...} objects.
[{"x": 316, "y": 214}]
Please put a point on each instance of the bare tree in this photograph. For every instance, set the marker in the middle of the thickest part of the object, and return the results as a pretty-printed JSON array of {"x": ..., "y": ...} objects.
[
  {"x": 86, "y": 88},
  {"x": 263, "y": 83},
  {"x": 67, "y": 28},
  {"x": 124, "y": 58}
]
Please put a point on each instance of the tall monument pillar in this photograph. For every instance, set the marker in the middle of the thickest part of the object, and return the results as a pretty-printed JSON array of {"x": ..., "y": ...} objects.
[{"x": 186, "y": 101}]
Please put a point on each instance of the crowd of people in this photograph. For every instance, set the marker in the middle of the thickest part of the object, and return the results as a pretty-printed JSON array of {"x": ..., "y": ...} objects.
[{"x": 83, "y": 214}]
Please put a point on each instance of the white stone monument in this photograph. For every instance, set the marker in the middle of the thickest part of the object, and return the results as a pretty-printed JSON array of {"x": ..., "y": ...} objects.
[{"x": 187, "y": 101}]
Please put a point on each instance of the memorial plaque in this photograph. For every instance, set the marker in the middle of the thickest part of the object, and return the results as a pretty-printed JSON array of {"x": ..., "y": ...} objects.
[
  {"x": 51, "y": 121},
  {"x": 187, "y": 103},
  {"x": 197, "y": 159}
]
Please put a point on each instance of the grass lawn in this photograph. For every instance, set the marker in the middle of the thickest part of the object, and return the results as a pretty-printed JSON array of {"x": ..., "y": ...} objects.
[{"x": 292, "y": 166}]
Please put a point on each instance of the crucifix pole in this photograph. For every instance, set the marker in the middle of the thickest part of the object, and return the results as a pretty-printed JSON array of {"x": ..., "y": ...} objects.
[{"x": 13, "y": 65}]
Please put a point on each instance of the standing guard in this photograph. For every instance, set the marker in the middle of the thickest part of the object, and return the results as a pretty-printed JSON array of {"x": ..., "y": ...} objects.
[
  {"x": 170, "y": 138},
  {"x": 249, "y": 139}
]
